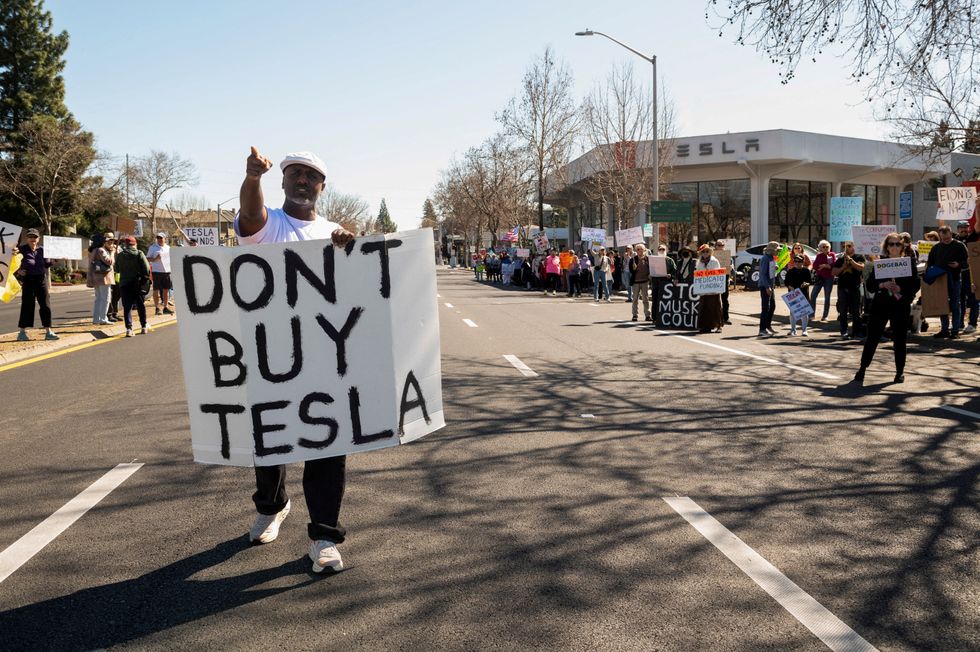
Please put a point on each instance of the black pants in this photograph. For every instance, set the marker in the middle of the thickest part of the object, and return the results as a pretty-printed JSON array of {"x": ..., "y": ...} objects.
[
  {"x": 34, "y": 289},
  {"x": 132, "y": 298},
  {"x": 768, "y": 308},
  {"x": 724, "y": 304},
  {"x": 884, "y": 309},
  {"x": 573, "y": 288},
  {"x": 849, "y": 305},
  {"x": 114, "y": 296},
  {"x": 554, "y": 281},
  {"x": 323, "y": 488}
]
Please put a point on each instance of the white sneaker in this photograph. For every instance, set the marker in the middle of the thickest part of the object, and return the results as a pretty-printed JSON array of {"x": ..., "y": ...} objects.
[
  {"x": 970, "y": 328},
  {"x": 324, "y": 554},
  {"x": 145, "y": 330},
  {"x": 129, "y": 332},
  {"x": 792, "y": 332},
  {"x": 805, "y": 334},
  {"x": 265, "y": 529}
]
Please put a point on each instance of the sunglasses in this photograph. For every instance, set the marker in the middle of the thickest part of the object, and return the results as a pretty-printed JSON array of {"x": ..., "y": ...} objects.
[
  {"x": 32, "y": 237},
  {"x": 893, "y": 244}
]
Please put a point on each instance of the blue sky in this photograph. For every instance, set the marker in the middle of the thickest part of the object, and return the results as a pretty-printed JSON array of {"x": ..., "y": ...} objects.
[{"x": 387, "y": 92}]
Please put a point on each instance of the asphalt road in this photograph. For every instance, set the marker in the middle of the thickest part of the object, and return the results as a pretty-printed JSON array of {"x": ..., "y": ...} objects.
[{"x": 536, "y": 518}]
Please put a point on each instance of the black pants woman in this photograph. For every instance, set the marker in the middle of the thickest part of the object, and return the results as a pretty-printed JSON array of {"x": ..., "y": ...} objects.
[
  {"x": 133, "y": 298},
  {"x": 891, "y": 303}
]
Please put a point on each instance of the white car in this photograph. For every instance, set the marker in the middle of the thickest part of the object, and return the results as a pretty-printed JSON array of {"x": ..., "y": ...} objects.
[{"x": 745, "y": 258}]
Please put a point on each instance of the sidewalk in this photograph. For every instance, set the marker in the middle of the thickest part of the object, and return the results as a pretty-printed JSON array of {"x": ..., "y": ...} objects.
[
  {"x": 72, "y": 333},
  {"x": 747, "y": 305}
]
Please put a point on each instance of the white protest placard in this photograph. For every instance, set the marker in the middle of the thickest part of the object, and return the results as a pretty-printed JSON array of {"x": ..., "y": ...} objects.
[
  {"x": 845, "y": 213},
  {"x": 597, "y": 236},
  {"x": 710, "y": 281},
  {"x": 138, "y": 228},
  {"x": 206, "y": 236},
  {"x": 303, "y": 350},
  {"x": 540, "y": 242},
  {"x": 658, "y": 266},
  {"x": 798, "y": 304},
  {"x": 630, "y": 236},
  {"x": 924, "y": 247},
  {"x": 523, "y": 253},
  {"x": 956, "y": 203},
  {"x": 730, "y": 245},
  {"x": 893, "y": 267},
  {"x": 868, "y": 238},
  {"x": 648, "y": 230},
  {"x": 9, "y": 237},
  {"x": 62, "y": 248}
]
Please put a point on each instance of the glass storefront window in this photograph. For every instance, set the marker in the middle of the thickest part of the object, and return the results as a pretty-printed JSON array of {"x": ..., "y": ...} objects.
[
  {"x": 798, "y": 211},
  {"x": 722, "y": 209}
]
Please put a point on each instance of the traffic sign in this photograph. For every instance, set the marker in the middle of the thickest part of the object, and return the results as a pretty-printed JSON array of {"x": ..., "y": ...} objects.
[{"x": 670, "y": 211}]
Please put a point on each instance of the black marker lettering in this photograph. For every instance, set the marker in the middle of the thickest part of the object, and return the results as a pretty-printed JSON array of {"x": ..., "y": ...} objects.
[
  {"x": 306, "y": 417},
  {"x": 408, "y": 406},
  {"x": 262, "y": 346},
  {"x": 190, "y": 288},
  {"x": 259, "y": 429},
  {"x": 263, "y": 298},
  {"x": 382, "y": 248},
  {"x": 340, "y": 337},
  {"x": 223, "y": 411},
  {"x": 355, "y": 418},
  {"x": 295, "y": 266},
  {"x": 218, "y": 361}
]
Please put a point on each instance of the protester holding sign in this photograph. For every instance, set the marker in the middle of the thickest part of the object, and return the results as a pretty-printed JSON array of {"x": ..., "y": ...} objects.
[
  {"x": 798, "y": 278},
  {"x": 134, "y": 281},
  {"x": 159, "y": 256},
  {"x": 767, "y": 281},
  {"x": 709, "y": 305},
  {"x": 626, "y": 274},
  {"x": 949, "y": 257},
  {"x": 823, "y": 277},
  {"x": 639, "y": 270},
  {"x": 602, "y": 276},
  {"x": 848, "y": 269},
  {"x": 32, "y": 275},
  {"x": 891, "y": 303},
  {"x": 968, "y": 298},
  {"x": 730, "y": 270},
  {"x": 304, "y": 175},
  {"x": 100, "y": 276},
  {"x": 574, "y": 270}
]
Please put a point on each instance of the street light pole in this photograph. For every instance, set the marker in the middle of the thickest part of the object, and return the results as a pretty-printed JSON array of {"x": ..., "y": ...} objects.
[
  {"x": 219, "y": 215},
  {"x": 656, "y": 141}
]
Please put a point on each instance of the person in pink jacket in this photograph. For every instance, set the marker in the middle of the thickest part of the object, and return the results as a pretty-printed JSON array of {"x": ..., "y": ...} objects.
[{"x": 552, "y": 268}]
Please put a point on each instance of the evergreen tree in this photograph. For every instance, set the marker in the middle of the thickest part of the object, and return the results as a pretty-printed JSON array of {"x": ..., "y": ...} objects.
[
  {"x": 384, "y": 224},
  {"x": 429, "y": 218},
  {"x": 971, "y": 139},
  {"x": 31, "y": 62}
]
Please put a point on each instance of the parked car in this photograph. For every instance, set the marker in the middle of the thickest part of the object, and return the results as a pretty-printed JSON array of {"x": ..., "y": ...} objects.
[{"x": 745, "y": 258}]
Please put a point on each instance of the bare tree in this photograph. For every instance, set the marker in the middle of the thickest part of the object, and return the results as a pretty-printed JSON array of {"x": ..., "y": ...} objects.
[
  {"x": 187, "y": 201},
  {"x": 156, "y": 174},
  {"x": 544, "y": 120},
  {"x": 916, "y": 60},
  {"x": 349, "y": 211}
]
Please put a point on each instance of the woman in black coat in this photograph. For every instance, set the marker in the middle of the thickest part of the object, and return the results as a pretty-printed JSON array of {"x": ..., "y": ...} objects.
[{"x": 891, "y": 302}]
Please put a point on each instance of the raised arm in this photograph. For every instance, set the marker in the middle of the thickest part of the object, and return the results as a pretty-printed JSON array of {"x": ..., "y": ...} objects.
[{"x": 252, "y": 215}]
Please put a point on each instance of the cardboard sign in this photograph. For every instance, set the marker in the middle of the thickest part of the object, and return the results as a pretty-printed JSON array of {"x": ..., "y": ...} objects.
[
  {"x": 630, "y": 237},
  {"x": 798, "y": 304},
  {"x": 9, "y": 237},
  {"x": 62, "y": 248},
  {"x": 710, "y": 281},
  {"x": 677, "y": 306},
  {"x": 303, "y": 350},
  {"x": 845, "y": 213},
  {"x": 206, "y": 236},
  {"x": 138, "y": 228},
  {"x": 724, "y": 257},
  {"x": 658, "y": 266},
  {"x": 956, "y": 203},
  {"x": 935, "y": 298},
  {"x": 867, "y": 239},
  {"x": 924, "y": 247},
  {"x": 973, "y": 259},
  {"x": 523, "y": 253},
  {"x": 540, "y": 242},
  {"x": 565, "y": 259},
  {"x": 893, "y": 268},
  {"x": 597, "y": 236}
]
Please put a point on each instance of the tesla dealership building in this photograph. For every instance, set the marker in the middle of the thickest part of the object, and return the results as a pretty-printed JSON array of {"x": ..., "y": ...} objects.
[{"x": 775, "y": 185}]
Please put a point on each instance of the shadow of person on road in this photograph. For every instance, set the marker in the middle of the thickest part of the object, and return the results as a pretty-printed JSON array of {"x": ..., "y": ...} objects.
[{"x": 126, "y": 611}]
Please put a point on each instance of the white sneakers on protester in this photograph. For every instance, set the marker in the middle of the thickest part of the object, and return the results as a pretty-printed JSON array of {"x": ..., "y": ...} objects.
[
  {"x": 265, "y": 529},
  {"x": 324, "y": 555}
]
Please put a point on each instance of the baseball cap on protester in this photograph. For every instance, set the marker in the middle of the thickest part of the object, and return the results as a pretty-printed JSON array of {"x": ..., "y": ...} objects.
[
  {"x": 33, "y": 232},
  {"x": 161, "y": 235},
  {"x": 308, "y": 159},
  {"x": 128, "y": 240}
]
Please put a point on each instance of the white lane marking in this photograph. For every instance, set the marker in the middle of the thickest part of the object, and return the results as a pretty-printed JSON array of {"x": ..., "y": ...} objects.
[
  {"x": 519, "y": 365},
  {"x": 966, "y": 413},
  {"x": 449, "y": 305},
  {"x": 814, "y": 616},
  {"x": 21, "y": 550},
  {"x": 587, "y": 416},
  {"x": 470, "y": 323},
  {"x": 819, "y": 374}
]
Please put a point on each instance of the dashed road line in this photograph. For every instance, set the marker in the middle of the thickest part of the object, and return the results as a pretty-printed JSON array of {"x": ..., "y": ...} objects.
[
  {"x": 819, "y": 374},
  {"x": 21, "y": 550},
  {"x": 470, "y": 323},
  {"x": 449, "y": 305},
  {"x": 960, "y": 411},
  {"x": 801, "y": 605},
  {"x": 520, "y": 366}
]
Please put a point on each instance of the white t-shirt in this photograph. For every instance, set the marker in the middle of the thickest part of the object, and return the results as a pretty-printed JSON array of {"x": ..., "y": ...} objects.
[
  {"x": 280, "y": 227},
  {"x": 162, "y": 265}
]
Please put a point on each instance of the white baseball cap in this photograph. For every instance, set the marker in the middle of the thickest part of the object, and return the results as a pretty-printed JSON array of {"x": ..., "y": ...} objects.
[{"x": 308, "y": 159}]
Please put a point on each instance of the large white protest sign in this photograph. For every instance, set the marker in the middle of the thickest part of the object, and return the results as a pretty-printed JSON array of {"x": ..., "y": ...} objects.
[
  {"x": 597, "y": 236},
  {"x": 62, "y": 248},
  {"x": 710, "y": 281},
  {"x": 798, "y": 304},
  {"x": 868, "y": 238},
  {"x": 9, "y": 237},
  {"x": 302, "y": 350},
  {"x": 630, "y": 236},
  {"x": 658, "y": 266},
  {"x": 206, "y": 236},
  {"x": 845, "y": 212},
  {"x": 893, "y": 267},
  {"x": 523, "y": 253},
  {"x": 541, "y": 242},
  {"x": 956, "y": 203}
]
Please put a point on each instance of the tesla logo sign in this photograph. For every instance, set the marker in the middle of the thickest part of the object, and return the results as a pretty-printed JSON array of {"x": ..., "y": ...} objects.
[{"x": 707, "y": 149}]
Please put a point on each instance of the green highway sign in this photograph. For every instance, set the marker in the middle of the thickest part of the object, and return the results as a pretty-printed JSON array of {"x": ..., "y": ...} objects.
[{"x": 670, "y": 211}]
